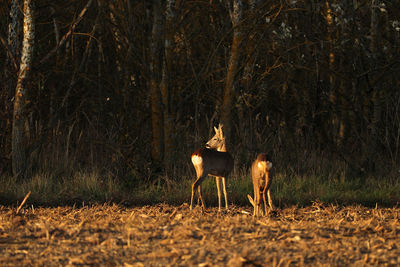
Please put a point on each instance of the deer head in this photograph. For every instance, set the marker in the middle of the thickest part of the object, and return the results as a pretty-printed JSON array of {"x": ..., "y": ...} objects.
[{"x": 217, "y": 142}]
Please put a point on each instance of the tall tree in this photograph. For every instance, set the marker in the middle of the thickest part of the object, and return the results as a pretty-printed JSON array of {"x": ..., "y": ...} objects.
[
  {"x": 13, "y": 47},
  {"x": 376, "y": 93},
  {"x": 20, "y": 112},
  {"x": 166, "y": 80},
  {"x": 235, "y": 10},
  {"x": 155, "y": 66},
  {"x": 330, "y": 22}
]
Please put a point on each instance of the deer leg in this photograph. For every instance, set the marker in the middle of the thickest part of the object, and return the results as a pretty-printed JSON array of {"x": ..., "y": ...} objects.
[
  {"x": 270, "y": 200},
  {"x": 195, "y": 185},
  {"x": 265, "y": 204},
  {"x": 255, "y": 206},
  {"x": 191, "y": 199},
  {"x": 217, "y": 180},
  {"x": 198, "y": 196},
  {"x": 203, "y": 206},
  {"x": 256, "y": 200},
  {"x": 251, "y": 202},
  {"x": 225, "y": 194},
  {"x": 257, "y": 203}
]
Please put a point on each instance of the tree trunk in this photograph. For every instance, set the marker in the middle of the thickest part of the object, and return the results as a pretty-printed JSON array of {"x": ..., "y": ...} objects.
[
  {"x": 229, "y": 91},
  {"x": 14, "y": 43},
  {"x": 248, "y": 71},
  {"x": 369, "y": 164},
  {"x": 156, "y": 104},
  {"x": 166, "y": 82},
  {"x": 20, "y": 113},
  {"x": 334, "y": 120},
  {"x": 10, "y": 73},
  {"x": 345, "y": 83}
]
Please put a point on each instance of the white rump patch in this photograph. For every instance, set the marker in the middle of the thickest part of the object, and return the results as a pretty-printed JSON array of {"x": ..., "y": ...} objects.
[
  {"x": 269, "y": 165},
  {"x": 261, "y": 164},
  {"x": 264, "y": 165},
  {"x": 197, "y": 160}
]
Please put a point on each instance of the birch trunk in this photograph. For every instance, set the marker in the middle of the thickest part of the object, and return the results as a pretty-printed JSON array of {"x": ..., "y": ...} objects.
[{"x": 19, "y": 114}]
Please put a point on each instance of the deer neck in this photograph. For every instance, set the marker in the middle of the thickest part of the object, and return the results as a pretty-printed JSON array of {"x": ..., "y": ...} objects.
[{"x": 222, "y": 148}]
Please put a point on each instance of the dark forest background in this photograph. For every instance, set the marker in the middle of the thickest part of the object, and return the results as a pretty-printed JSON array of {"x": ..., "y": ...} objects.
[{"x": 132, "y": 88}]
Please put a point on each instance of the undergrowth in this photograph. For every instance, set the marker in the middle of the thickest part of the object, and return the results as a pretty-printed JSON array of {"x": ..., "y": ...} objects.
[{"x": 287, "y": 189}]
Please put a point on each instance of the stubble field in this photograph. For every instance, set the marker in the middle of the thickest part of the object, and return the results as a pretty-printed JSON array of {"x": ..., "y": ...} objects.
[{"x": 164, "y": 235}]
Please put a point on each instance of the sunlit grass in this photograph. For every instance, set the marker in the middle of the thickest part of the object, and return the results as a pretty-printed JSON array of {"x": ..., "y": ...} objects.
[
  {"x": 286, "y": 190},
  {"x": 47, "y": 189},
  {"x": 304, "y": 190}
]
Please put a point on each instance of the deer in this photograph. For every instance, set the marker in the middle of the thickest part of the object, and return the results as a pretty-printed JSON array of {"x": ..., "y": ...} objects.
[
  {"x": 262, "y": 178},
  {"x": 214, "y": 160}
]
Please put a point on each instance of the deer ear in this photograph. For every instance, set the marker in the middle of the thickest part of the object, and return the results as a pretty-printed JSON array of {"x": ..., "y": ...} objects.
[
  {"x": 220, "y": 130},
  {"x": 216, "y": 130}
]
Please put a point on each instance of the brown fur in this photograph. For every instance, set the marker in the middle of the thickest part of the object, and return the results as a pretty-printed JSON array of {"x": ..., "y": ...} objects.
[
  {"x": 212, "y": 160},
  {"x": 262, "y": 179}
]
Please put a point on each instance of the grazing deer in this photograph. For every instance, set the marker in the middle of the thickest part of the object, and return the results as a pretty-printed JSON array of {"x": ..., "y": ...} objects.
[
  {"x": 212, "y": 160},
  {"x": 262, "y": 178}
]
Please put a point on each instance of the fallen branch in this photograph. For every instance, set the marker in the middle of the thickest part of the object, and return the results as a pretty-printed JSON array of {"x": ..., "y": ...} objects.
[{"x": 23, "y": 202}]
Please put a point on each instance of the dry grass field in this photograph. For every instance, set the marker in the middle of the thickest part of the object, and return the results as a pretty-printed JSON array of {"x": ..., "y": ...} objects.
[{"x": 164, "y": 235}]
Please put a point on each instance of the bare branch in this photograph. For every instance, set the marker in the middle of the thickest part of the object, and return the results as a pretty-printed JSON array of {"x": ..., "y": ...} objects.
[{"x": 65, "y": 37}]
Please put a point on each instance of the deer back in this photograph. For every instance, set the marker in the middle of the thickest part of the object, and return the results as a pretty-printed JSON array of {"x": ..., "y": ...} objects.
[{"x": 213, "y": 162}]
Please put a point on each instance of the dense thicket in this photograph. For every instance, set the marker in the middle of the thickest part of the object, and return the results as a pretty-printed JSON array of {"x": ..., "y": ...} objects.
[{"x": 133, "y": 87}]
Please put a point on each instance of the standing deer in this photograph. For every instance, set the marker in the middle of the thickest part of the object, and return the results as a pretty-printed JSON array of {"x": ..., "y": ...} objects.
[
  {"x": 262, "y": 178},
  {"x": 212, "y": 160}
]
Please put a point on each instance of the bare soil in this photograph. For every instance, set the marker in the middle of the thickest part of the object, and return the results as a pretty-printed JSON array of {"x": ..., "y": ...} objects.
[{"x": 163, "y": 235}]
